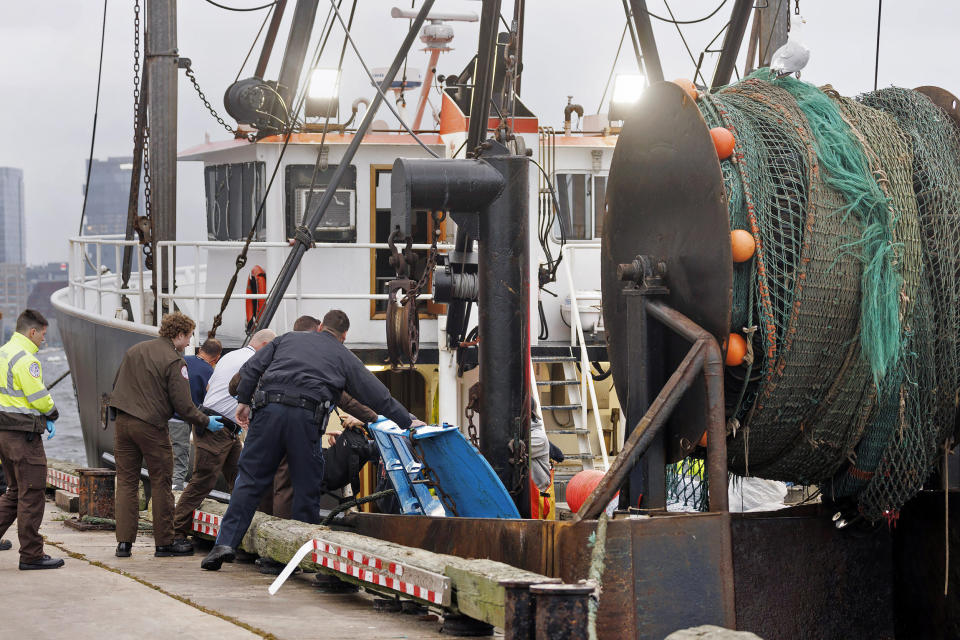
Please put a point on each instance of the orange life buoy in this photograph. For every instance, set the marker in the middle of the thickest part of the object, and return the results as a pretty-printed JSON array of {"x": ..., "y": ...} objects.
[{"x": 256, "y": 283}]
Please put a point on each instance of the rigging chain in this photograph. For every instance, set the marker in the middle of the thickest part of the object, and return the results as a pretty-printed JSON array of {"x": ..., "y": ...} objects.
[
  {"x": 141, "y": 140},
  {"x": 417, "y": 289},
  {"x": 206, "y": 103}
]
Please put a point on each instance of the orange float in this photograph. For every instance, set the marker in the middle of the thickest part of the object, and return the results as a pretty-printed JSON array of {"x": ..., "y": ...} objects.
[
  {"x": 742, "y": 245},
  {"x": 689, "y": 87},
  {"x": 723, "y": 142},
  {"x": 736, "y": 350},
  {"x": 581, "y": 486}
]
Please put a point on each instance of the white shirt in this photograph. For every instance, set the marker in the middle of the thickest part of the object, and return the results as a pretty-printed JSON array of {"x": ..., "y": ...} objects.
[{"x": 218, "y": 396}]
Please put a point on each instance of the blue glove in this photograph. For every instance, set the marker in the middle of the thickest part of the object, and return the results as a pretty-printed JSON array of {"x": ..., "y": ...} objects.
[
  {"x": 51, "y": 429},
  {"x": 215, "y": 424}
]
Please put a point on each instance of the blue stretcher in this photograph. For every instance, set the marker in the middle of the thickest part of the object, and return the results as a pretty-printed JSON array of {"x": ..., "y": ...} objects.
[{"x": 458, "y": 469}]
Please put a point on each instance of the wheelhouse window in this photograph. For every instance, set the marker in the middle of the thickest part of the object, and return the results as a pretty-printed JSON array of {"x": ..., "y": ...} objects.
[
  {"x": 339, "y": 222},
  {"x": 233, "y": 193},
  {"x": 422, "y": 230},
  {"x": 581, "y": 198}
]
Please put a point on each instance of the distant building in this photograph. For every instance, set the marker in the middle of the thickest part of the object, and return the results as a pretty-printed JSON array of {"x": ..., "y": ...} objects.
[
  {"x": 12, "y": 231},
  {"x": 43, "y": 281},
  {"x": 13, "y": 282},
  {"x": 108, "y": 195}
]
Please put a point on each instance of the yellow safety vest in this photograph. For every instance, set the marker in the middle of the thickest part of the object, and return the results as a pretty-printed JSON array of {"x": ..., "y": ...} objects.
[{"x": 23, "y": 397}]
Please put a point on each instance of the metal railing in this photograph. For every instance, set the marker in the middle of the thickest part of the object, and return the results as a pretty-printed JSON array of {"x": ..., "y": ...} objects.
[
  {"x": 577, "y": 339},
  {"x": 102, "y": 281},
  {"x": 106, "y": 283}
]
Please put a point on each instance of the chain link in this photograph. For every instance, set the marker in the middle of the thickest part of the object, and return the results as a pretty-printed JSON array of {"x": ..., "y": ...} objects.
[
  {"x": 141, "y": 132},
  {"x": 473, "y": 405},
  {"x": 206, "y": 103},
  {"x": 438, "y": 218}
]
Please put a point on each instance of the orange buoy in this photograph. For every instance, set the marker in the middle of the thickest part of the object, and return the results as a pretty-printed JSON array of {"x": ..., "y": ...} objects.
[
  {"x": 736, "y": 349},
  {"x": 742, "y": 245},
  {"x": 581, "y": 486},
  {"x": 723, "y": 141},
  {"x": 689, "y": 87}
]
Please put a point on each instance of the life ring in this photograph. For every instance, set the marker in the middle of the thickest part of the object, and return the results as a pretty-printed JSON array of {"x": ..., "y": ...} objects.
[{"x": 256, "y": 284}]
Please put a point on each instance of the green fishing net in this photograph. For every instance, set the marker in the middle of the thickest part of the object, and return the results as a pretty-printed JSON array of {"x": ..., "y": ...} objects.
[{"x": 851, "y": 302}]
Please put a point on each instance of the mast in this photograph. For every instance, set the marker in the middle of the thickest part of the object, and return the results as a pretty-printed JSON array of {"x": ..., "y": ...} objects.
[
  {"x": 304, "y": 233},
  {"x": 648, "y": 44},
  {"x": 301, "y": 27},
  {"x": 161, "y": 73},
  {"x": 731, "y": 42},
  {"x": 774, "y": 25}
]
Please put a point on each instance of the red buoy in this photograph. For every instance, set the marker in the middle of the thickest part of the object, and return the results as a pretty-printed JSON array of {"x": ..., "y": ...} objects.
[
  {"x": 723, "y": 141},
  {"x": 581, "y": 486}
]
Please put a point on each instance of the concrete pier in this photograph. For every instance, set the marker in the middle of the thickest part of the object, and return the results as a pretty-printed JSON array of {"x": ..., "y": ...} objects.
[{"x": 98, "y": 595}]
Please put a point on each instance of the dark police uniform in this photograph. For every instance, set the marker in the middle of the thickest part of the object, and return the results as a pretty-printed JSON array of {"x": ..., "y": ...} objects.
[
  {"x": 282, "y": 503},
  {"x": 301, "y": 376}
]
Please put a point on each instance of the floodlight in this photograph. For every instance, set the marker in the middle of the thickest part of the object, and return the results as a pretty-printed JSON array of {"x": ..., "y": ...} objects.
[
  {"x": 323, "y": 93},
  {"x": 627, "y": 88}
]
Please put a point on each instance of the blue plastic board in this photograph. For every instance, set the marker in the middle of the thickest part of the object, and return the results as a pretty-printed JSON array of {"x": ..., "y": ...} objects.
[
  {"x": 404, "y": 471},
  {"x": 463, "y": 474}
]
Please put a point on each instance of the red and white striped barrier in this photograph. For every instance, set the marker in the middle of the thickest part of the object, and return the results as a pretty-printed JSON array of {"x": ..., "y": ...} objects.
[
  {"x": 62, "y": 480},
  {"x": 425, "y": 585},
  {"x": 206, "y": 523}
]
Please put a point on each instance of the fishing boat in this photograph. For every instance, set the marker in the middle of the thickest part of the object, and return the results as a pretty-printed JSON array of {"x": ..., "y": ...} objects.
[{"x": 260, "y": 183}]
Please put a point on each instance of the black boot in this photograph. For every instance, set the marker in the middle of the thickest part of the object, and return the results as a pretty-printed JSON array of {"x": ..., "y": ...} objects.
[
  {"x": 218, "y": 555},
  {"x": 5, "y": 544},
  {"x": 46, "y": 562},
  {"x": 180, "y": 547},
  {"x": 123, "y": 549}
]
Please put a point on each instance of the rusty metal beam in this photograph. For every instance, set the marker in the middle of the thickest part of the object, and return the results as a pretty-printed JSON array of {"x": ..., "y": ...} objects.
[
  {"x": 644, "y": 433},
  {"x": 713, "y": 377}
]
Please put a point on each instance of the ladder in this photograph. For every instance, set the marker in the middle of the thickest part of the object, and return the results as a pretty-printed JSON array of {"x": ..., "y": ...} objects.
[
  {"x": 573, "y": 402},
  {"x": 575, "y": 387}
]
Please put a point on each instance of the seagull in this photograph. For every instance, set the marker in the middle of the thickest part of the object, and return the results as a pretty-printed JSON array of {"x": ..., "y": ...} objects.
[{"x": 792, "y": 56}]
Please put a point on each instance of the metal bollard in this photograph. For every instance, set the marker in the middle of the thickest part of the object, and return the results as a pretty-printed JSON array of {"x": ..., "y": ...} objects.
[
  {"x": 561, "y": 611},
  {"x": 97, "y": 489},
  {"x": 519, "y": 609}
]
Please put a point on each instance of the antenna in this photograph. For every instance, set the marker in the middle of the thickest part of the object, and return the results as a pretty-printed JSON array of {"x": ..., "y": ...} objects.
[{"x": 437, "y": 36}]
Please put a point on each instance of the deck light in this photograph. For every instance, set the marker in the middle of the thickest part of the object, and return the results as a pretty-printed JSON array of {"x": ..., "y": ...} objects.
[
  {"x": 323, "y": 94},
  {"x": 627, "y": 88}
]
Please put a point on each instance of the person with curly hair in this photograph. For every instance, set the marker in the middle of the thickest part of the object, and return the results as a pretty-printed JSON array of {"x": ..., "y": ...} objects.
[{"x": 151, "y": 385}]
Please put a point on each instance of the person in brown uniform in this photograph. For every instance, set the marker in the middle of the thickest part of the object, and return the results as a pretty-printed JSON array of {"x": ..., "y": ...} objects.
[
  {"x": 152, "y": 383},
  {"x": 216, "y": 452},
  {"x": 26, "y": 411}
]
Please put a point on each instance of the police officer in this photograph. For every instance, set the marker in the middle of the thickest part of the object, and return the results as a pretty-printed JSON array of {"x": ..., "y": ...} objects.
[
  {"x": 301, "y": 375},
  {"x": 152, "y": 383},
  {"x": 216, "y": 452},
  {"x": 199, "y": 369},
  {"x": 26, "y": 411}
]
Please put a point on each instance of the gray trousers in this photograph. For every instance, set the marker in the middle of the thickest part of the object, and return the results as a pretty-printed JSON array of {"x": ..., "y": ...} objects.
[{"x": 180, "y": 440}]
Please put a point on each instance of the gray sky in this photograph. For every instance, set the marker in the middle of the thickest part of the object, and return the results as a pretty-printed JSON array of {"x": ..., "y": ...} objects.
[{"x": 50, "y": 48}]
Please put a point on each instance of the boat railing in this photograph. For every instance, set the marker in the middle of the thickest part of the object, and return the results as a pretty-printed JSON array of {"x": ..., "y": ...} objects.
[
  {"x": 88, "y": 252},
  {"x": 298, "y": 295},
  {"x": 587, "y": 387}
]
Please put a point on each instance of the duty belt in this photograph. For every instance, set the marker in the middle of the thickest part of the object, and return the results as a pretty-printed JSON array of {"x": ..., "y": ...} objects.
[
  {"x": 301, "y": 402},
  {"x": 320, "y": 410},
  {"x": 228, "y": 424}
]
